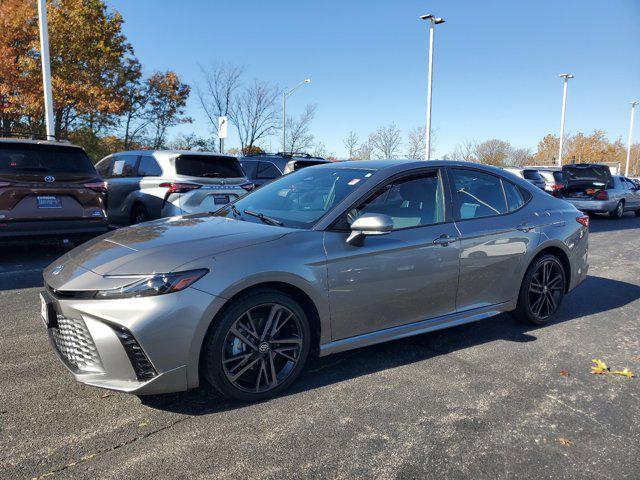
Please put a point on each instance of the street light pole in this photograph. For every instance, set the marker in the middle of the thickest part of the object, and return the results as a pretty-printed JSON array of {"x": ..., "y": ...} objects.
[
  {"x": 633, "y": 111},
  {"x": 433, "y": 21},
  {"x": 285, "y": 94},
  {"x": 566, "y": 77},
  {"x": 46, "y": 69}
]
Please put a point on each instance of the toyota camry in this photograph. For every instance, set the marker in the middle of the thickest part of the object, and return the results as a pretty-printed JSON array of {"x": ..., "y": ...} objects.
[{"x": 326, "y": 259}]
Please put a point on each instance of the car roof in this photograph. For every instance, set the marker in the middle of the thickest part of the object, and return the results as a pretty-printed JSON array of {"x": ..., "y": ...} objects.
[
  {"x": 406, "y": 164},
  {"x": 174, "y": 153},
  {"x": 29, "y": 141}
]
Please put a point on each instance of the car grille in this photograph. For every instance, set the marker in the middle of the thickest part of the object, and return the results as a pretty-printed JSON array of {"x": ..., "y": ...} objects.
[{"x": 74, "y": 342}]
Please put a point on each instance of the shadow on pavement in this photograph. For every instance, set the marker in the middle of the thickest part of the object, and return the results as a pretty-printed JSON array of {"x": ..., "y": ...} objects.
[
  {"x": 604, "y": 223},
  {"x": 356, "y": 363}
]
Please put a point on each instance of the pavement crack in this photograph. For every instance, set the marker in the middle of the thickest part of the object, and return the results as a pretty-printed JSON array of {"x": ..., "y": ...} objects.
[{"x": 90, "y": 456}]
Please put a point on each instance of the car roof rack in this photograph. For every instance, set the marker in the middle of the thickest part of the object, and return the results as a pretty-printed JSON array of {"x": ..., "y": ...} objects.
[{"x": 283, "y": 155}]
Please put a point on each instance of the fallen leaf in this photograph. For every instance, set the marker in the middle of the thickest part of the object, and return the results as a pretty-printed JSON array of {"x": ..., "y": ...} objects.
[
  {"x": 105, "y": 395},
  {"x": 565, "y": 441},
  {"x": 143, "y": 423},
  {"x": 564, "y": 373},
  {"x": 600, "y": 367},
  {"x": 625, "y": 373}
]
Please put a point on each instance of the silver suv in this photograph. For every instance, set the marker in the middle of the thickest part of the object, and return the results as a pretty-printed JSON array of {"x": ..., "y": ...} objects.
[{"x": 149, "y": 184}]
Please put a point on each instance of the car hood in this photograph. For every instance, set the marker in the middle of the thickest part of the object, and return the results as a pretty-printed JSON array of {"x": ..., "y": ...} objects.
[{"x": 162, "y": 246}]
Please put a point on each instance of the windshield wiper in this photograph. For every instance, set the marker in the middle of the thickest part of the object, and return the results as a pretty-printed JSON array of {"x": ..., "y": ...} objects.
[{"x": 264, "y": 218}]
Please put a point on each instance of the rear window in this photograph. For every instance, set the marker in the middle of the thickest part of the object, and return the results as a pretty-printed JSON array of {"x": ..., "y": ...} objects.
[
  {"x": 208, "y": 166},
  {"x": 21, "y": 158},
  {"x": 558, "y": 177},
  {"x": 531, "y": 175}
]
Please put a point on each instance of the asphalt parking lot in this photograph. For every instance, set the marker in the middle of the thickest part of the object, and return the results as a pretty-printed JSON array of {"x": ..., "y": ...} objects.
[{"x": 485, "y": 400}]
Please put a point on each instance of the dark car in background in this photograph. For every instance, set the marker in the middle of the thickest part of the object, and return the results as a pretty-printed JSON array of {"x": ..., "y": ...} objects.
[
  {"x": 531, "y": 175},
  {"x": 49, "y": 189},
  {"x": 150, "y": 184},
  {"x": 264, "y": 167}
]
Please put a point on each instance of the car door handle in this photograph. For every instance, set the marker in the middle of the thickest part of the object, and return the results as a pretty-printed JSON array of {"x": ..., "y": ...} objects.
[
  {"x": 444, "y": 240},
  {"x": 525, "y": 227}
]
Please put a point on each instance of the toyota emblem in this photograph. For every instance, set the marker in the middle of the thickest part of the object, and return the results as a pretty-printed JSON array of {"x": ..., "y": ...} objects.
[{"x": 49, "y": 179}]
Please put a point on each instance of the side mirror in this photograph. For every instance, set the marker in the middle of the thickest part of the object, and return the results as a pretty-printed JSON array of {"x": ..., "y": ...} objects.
[{"x": 369, "y": 224}]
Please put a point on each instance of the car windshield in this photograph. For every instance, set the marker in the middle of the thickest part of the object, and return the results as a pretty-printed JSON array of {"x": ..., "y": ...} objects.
[
  {"x": 208, "y": 166},
  {"x": 21, "y": 158},
  {"x": 300, "y": 199}
]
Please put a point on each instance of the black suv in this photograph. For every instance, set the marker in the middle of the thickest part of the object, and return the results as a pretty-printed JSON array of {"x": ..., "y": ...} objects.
[
  {"x": 264, "y": 167},
  {"x": 49, "y": 189}
]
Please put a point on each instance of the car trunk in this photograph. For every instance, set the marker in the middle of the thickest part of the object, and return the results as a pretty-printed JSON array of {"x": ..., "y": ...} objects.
[
  {"x": 42, "y": 182},
  {"x": 585, "y": 181}
]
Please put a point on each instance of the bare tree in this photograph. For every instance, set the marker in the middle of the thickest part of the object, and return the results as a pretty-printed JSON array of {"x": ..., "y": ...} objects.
[
  {"x": 464, "y": 152},
  {"x": 218, "y": 94},
  {"x": 192, "y": 141},
  {"x": 385, "y": 141},
  {"x": 493, "y": 152},
  {"x": 254, "y": 113},
  {"x": 363, "y": 152},
  {"x": 320, "y": 150},
  {"x": 351, "y": 144},
  {"x": 417, "y": 143},
  {"x": 520, "y": 157},
  {"x": 298, "y": 137}
]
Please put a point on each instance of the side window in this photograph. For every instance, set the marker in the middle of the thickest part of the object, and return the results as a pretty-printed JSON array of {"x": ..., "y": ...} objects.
[
  {"x": 149, "y": 167},
  {"x": 477, "y": 194},
  {"x": 103, "y": 167},
  {"x": 411, "y": 202},
  {"x": 515, "y": 197},
  {"x": 124, "y": 166},
  {"x": 249, "y": 168},
  {"x": 267, "y": 171}
]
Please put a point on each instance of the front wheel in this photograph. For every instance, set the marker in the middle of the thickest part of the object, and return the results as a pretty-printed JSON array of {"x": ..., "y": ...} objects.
[
  {"x": 258, "y": 347},
  {"x": 542, "y": 291},
  {"x": 617, "y": 212}
]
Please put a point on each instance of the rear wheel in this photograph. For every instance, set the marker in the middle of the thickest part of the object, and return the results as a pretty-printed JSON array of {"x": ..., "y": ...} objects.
[
  {"x": 618, "y": 212},
  {"x": 542, "y": 291},
  {"x": 139, "y": 214},
  {"x": 258, "y": 347}
]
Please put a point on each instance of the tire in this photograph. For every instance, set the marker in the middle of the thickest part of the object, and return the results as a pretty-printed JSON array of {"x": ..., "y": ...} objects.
[
  {"x": 139, "y": 214},
  {"x": 617, "y": 212},
  {"x": 529, "y": 309},
  {"x": 245, "y": 368}
]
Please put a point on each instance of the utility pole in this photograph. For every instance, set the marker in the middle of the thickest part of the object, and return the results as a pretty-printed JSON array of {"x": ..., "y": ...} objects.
[
  {"x": 285, "y": 94},
  {"x": 46, "y": 69},
  {"x": 566, "y": 77},
  {"x": 433, "y": 21},
  {"x": 633, "y": 111}
]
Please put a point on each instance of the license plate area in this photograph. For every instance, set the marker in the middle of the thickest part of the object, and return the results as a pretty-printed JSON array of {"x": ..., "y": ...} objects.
[
  {"x": 48, "y": 311},
  {"x": 221, "y": 199},
  {"x": 48, "y": 201}
]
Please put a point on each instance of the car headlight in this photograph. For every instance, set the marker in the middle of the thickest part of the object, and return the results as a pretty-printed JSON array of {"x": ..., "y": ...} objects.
[{"x": 150, "y": 285}]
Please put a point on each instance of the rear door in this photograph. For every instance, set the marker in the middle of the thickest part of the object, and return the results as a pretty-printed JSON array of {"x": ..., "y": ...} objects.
[
  {"x": 122, "y": 181},
  {"x": 47, "y": 182},
  {"x": 150, "y": 177},
  {"x": 497, "y": 229}
]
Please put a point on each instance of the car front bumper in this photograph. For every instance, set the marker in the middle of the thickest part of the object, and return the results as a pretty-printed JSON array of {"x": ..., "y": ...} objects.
[
  {"x": 593, "y": 205},
  {"x": 144, "y": 346}
]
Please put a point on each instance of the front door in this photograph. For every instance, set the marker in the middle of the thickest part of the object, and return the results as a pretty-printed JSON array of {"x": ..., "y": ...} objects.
[{"x": 407, "y": 275}]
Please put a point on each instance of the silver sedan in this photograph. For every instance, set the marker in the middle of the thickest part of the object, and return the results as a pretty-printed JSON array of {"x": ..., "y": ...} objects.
[{"x": 326, "y": 259}]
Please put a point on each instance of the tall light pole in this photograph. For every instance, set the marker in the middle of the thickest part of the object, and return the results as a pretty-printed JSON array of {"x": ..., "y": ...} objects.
[
  {"x": 46, "y": 69},
  {"x": 433, "y": 21},
  {"x": 566, "y": 77},
  {"x": 284, "y": 111},
  {"x": 633, "y": 111}
]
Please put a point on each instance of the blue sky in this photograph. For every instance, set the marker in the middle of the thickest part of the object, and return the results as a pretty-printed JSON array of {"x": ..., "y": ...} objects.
[{"x": 495, "y": 72}]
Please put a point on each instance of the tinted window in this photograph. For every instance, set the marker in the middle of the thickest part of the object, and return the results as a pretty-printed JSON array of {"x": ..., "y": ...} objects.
[
  {"x": 412, "y": 202},
  {"x": 103, "y": 167},
  {"x": 211, "y": 166},
  {"x": 267, "y": 171},
  {"x": 124, "y": 166},
  {"x": 299, "y": 200},
  {"x": 531, "y": 175},
  {"x": 478, "y": 194},
  {"x": 149, "y": 167},
  {"x": 249, "y": 168},
  {"x": 558, "y": 177},
  {"x": 515, "y": 198},
  {"x": 23, "y": 158}
]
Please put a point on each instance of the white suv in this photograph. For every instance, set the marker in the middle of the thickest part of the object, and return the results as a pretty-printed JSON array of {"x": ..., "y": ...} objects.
[{"x": 149, "y": 184}]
